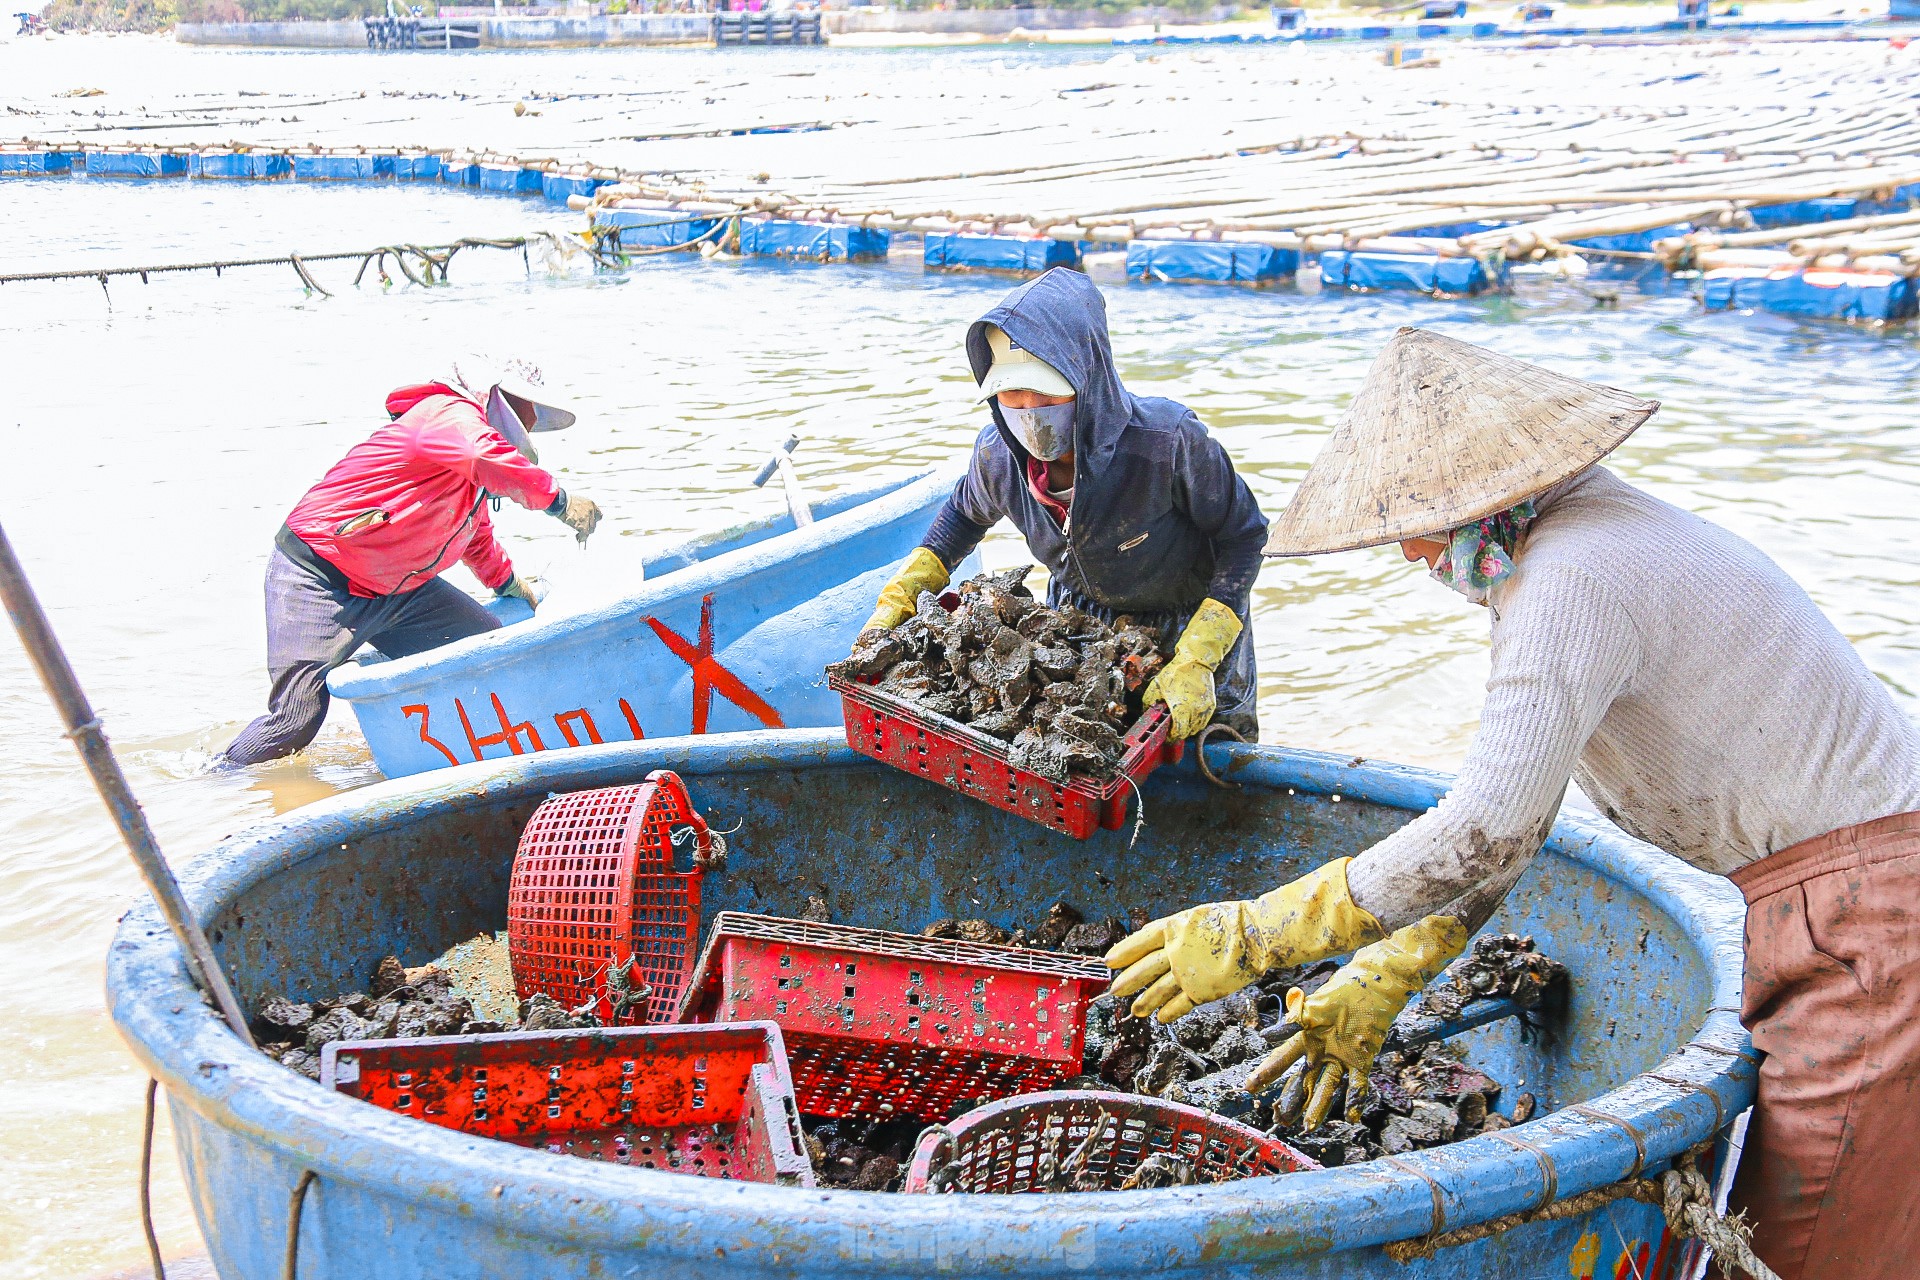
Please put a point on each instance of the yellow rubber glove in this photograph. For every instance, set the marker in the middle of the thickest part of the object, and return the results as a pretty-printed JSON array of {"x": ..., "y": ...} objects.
[
  {"x": 1186, "y": 683},
  {"x": 1211, "y": 951},
  {"x": 900, "y": 598},
  {"x": 1343, "y": 1024}
]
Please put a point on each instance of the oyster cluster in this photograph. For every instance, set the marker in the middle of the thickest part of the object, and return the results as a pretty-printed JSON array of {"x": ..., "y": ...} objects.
[
  {"x": 1059, "y": 685},
  {"x": 407, "y": 1003},
  {"x": 1499, "y": 965}
]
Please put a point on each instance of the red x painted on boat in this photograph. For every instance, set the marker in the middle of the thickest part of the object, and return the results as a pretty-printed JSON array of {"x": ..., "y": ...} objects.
[{"x": 709, "y": 675}]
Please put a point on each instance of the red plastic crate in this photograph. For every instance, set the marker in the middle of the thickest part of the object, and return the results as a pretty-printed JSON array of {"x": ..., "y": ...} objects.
[
  {"x": 713, "y": 1101},
  {"x": 1019, "y": 1145},
  {"x": 893, "y": 1023},
  {"x": 594, "y": 887},
  {"x": 899, "y": 732}
]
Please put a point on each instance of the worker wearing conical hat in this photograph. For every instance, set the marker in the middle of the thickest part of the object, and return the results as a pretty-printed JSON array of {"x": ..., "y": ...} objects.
[
  {"x": 1698, "y": 696},
  {"x": 1131, "y": 506}
]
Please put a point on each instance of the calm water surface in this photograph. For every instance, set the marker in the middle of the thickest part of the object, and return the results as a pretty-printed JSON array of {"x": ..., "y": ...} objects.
[{"x": 154, "y": 436}]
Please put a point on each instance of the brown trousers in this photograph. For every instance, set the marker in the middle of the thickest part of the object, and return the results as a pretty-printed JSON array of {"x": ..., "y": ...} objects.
[{"x": 1830, "y": 1177}]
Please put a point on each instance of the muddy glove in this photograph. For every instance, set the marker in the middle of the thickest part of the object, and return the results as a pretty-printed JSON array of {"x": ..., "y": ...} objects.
[
  {"x": 519, "y": 586},
  {"x": 582, "y": 515},
  {"x": 923, "y": 572},
  {"x": 1186, "y": 683},
  {"x": 1211, "y": 951},
  {"x": 1344, "y": 1023}
]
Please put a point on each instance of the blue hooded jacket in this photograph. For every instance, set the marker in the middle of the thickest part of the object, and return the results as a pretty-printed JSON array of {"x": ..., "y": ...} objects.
[{"x": 1159, "y": 519}]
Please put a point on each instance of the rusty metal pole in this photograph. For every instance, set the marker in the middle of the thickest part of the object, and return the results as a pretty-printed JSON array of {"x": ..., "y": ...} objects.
[{"x": 36, "y": 635}]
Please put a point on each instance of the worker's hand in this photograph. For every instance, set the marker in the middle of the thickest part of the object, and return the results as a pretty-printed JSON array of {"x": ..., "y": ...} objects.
[
  {"x": 581, "y": 515},
  {"x": 1211, "y": 951},
  {"x": 1344, "y": 1023},
  {"x": 1186, "y": 683},
  {"x": 521, "y": 587},
  {"x": 900, "y": 597}
]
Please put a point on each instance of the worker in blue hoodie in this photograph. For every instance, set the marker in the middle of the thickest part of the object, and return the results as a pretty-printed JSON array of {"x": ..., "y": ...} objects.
[{"x": 1131, "y": 506}]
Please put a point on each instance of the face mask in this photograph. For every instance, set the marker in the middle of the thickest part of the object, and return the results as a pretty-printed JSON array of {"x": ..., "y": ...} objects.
[
  {"x": 1046, "y": 432},
  {"x": 502, "y": 418}
]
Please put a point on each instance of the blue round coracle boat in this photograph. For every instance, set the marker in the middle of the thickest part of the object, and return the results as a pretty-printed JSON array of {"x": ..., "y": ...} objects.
[{"x": 1650, "y": 1050}]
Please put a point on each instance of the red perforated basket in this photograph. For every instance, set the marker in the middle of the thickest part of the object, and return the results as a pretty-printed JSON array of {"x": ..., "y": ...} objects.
[
  {"x": 594, "y": 888},
  {"x": 883, "y": 1023},
  {"x": 1088, "y": 1140},
  {"x": 713, "y": 1101},
  {"x": 899, "y": 732}
]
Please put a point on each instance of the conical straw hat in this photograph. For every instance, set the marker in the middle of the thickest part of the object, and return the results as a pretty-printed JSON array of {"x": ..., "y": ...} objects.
[{"x": 1443, "y": 433}]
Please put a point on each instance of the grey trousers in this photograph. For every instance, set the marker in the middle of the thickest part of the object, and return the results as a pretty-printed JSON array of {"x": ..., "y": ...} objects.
[{"x": 313, "y": 627}]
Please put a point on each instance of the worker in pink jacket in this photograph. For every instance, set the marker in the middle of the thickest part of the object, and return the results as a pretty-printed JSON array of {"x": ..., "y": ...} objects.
[{"x": 359, "y": 558}]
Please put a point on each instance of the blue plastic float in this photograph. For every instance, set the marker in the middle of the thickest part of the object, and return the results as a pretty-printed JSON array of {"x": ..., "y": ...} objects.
[
  {"x": 817, "y": 241},
  {"x": 651, "y": 228},
  {"x": 1222, "y": 261},
  {"x": 557, "y": 187},
  {"x": 729, "y": 632},
  {"x": 1822, "y": 294},
  {"x": 1650, "y": 1049},
  {"x": 134, "y": 164},
  {"x": 955, "y": 251},
  {"x": 1424, "y": 272},
  {"x": 334, "y": 168},
  {"x": 257, "y": 165}
]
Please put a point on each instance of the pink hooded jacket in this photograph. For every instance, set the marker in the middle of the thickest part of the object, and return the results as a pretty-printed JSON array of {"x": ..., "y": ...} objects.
[{"x": 413, "y": 493}]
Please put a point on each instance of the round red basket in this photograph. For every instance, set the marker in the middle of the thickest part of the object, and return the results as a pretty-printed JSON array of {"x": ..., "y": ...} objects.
[{"x": 596, "y": 908}]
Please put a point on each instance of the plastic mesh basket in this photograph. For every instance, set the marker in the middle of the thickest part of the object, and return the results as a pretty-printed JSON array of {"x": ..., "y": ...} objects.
[
  {"x": 897, "y": 1024},
  {"x": 594, "y": 888},
  {"x": 1089, "y": 1141},
  {"x": 712, "y": 1101},
  {"x": 896, "y": 731}
]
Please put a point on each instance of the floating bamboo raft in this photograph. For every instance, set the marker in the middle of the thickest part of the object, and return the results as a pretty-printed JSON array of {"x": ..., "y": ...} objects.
[{"x": 1743, "y": 158}]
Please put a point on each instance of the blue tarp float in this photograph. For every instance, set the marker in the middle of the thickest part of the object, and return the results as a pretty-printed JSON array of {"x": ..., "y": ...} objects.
[
  {"x": 956, "y": 252},
  {"x": 729, "y": 632},
  {"x": 819, "y": 241},
  {"x": 135, "y": 164},
  {"x": 1633, "y": 241},
  {"x": 35, "y": 163},
  {"x": 463, "y": 174},
  {"x": 651, "y": 228},
  {"x": 509, "y": 178},
  {"x": 354, "y": 168},
  {"x": 1649, "y": 1048},
  {"x": 408, "y": 167},
  {"x": 239, "y": 164},
  {"x": 1209, "y": 260},
  {"x": 1424, "y": 272},
  {"x": 558, "y": 186},
  {"x": 1825, "y": 295}
]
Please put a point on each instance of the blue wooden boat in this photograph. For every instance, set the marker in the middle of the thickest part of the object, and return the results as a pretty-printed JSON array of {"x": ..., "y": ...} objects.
[
  {"x": 729, "y": 632},
  {"x": 1650, "y": 1045}
]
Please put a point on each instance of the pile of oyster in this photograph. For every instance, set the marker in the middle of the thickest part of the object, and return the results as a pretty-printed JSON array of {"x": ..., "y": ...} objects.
[{"x": 1059, "y": 685}]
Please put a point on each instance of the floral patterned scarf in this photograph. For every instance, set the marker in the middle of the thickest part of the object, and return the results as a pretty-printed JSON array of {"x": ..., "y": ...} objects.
[{"x": 1480, "y": 554}]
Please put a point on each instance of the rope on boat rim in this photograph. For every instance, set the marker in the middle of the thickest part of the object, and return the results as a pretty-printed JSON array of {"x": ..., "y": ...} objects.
[
  {"x": 1200, "y": 752},
  {"x": 1681, "y": 1193},
  {"x": 296, "y": 1202}
]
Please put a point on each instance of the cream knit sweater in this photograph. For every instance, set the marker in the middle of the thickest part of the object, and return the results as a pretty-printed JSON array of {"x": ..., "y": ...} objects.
[{"x": 1689, "y": 685}]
